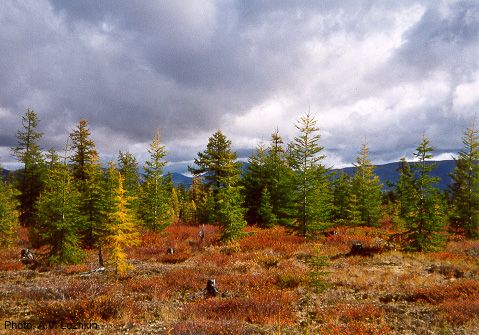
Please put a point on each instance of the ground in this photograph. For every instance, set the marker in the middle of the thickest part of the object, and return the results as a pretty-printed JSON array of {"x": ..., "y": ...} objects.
[{"x": 264, "y": 284}]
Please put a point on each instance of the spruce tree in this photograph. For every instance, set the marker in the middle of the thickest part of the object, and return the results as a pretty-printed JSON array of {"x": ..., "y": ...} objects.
[
  {"x": 84, "y": 153},
  {"x": 465, "y": 186},
  {"x": 155, "y": 196},
  {"x": 201, "y": 203},
  {"x": 128, "y": 167},
  {"x": 122, "y": 230},
  {"x": 406, "y": 192},
  {"x": 216, "y": 164},
  {"x": 367, "y": 189},
  {"x": 265, "y": 211},
  {"x": 425, "y": 221},
  {"x": 28, "y": 152},
  {"x": 59, "y": 220},
  {"x": 175, "y": 204},
  {"x": 313, "y": 195},
  {"x": 230, "y": 211},
  {"x": 255, "y": 181},
  {"x": 268, "y": 168},
  {"x": 341, "y": 198},
  {"x": 8, "y": 213},
  {"x": 86, "y": 169},
  {"x": 281, "y": 180}
]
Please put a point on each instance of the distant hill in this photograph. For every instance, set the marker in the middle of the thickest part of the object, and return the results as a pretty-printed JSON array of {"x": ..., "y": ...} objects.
[
  {"x": 180, "y": 179},
  {"x": 4, "y": 173},
  {"x": 388, "y": 172}
]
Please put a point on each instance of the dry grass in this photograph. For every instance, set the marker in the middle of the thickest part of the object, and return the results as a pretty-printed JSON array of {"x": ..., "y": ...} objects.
[{"x": 264, "y": 287}]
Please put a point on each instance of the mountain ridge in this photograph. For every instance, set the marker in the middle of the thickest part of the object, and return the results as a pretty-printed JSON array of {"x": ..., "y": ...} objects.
[{"x": 387, "y": 173}]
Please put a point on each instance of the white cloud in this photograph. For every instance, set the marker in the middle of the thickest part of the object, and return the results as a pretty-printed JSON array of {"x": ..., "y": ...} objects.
[{"x": 466, "y": 95}]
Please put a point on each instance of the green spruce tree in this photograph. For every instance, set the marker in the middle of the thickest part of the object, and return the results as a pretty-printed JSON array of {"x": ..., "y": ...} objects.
[
  {"x": 128, "y": 167},
  {"x": 426, "y": 219},
  {"x": 59, "y": 220},
  {"x": 155, "y": 197},
  {"x": 367, "y": 189},
  {"x": 230, "y": 210},
  {"x": 8, "y": 213},
  {"x": 465, "y": 186},
  {"x": 268, "y": 218},
  {"x": 313, "y": 194},
  {"x": 216, "y": 165},
  {"x": 341, "y": 198},
  {"x": 28, "y": 152}
]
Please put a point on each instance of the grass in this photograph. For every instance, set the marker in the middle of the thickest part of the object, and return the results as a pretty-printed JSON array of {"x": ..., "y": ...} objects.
[{"x": 264, "y": 287}]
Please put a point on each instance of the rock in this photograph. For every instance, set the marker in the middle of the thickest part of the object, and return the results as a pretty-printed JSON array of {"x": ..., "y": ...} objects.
[{"x": 170, "y": 251}]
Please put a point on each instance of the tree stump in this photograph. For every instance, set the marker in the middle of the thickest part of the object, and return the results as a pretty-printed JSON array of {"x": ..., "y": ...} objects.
[
  {"x": 357, "y": 249},
  {"x": 26, "y": 257},
  {"x": 211, "y": 289}
]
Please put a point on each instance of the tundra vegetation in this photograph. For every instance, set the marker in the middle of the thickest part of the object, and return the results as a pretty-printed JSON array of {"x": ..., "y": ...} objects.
[{"x": 290, "y": 247}]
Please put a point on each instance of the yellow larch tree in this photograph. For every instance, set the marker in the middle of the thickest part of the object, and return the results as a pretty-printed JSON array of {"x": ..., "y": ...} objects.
[{"x": 122, "y": 229}]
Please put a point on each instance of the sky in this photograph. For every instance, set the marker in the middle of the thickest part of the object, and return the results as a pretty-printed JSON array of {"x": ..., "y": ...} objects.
[{"x": 383, "y": 73}]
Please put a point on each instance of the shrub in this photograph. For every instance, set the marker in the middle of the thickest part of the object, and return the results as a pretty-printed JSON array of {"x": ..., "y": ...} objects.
[
  {"x": 11, "y": 265},
  {"x": 101, "y": 307},
  {"x": 459, "y": 312},
  {"x": 276, "y": 239},
  {"x": 207, "y": 327},
  {"x": 271, "y": 308},
  {"x": 463, "y": 289}
]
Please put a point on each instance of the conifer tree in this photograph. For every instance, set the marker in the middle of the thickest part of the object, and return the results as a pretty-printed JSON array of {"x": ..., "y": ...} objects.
[
  {"x": 59, "y": 220},
  {"x": 8, "y": 213},
  {"x": 216, "y": 164},
  {"x": 200, "y": 198},
  {"x": 465, "y": 186},
  {"x": 255, "y": 181},
  {"x": 155, "y": 197},
  {"x": 265, "y": 211},
  {"x": 425, "y": 221},
  {"x": 405, "y": 191},
  {"x": 84, "y": 153},
  {"x": 281, "y": 180},
  {"x": 268, "y": 168},
  {"x": 175, "y": 204},
  {"x": 122, "y": 230},
  {"x": 86, "y": 169},
  {"x": 367, "y": 189},
  {"x": 128, "y": 167},
  {"x": 28, "y": 152},
  {"x": 341, "y": 198},
  {"x": 221, "y": 174},
  {"x": 314, "y": 199},
  {"x": 230, "y": 211}
]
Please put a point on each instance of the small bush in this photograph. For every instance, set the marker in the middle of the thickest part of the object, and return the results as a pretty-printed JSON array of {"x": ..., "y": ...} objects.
[
  {"x": 207, "y": 327},
  {"x": 347, "y": 313},
  {"x": 11, "y": 265},
  {"x": 276, "y": 239},
  {"x": 464, "y": 289},
  {"x": 355, "y": 328},
  {"x": 459, "y": 312},
  {"x": 102, "y": 307},
  {"x": 271, "y": 308}
]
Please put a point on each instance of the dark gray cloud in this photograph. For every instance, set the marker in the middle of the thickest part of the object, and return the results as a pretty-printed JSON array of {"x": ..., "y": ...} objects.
[{"x": 381, "y": 72}]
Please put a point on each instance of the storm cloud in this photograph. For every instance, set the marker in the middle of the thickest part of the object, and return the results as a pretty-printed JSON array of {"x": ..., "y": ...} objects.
[{"x": 381, "y": 72}]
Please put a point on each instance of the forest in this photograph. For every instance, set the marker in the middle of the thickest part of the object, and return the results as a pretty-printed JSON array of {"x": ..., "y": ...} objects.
[{"x": 289, "y": 234}]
